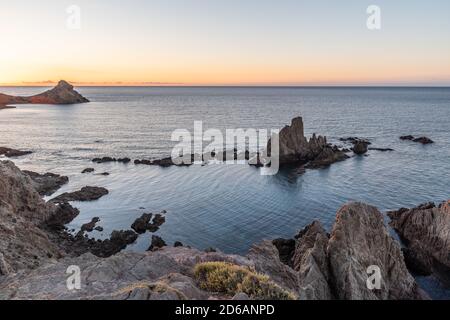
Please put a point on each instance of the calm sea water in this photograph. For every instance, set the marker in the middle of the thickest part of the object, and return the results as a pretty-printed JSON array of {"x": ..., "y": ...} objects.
[{"x": 230, "y": 207}]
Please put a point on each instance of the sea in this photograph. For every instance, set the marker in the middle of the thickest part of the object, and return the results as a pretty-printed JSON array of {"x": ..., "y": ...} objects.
[{"x": 233, "y": 206}]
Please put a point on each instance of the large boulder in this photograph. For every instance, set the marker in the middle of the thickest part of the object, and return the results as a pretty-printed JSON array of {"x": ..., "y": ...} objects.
[
  {"x": 359, "y": 240},
  {"x": 48, "y": 183},
  {"x": 425, "y": 231}
]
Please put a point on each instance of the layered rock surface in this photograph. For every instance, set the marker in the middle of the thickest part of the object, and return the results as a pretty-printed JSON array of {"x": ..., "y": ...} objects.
[
  {"x": 63, "y": 93},
  {"x": 426, "y": 234}
]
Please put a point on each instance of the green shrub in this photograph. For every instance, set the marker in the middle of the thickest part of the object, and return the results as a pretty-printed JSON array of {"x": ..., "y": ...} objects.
[{"x": 226, "y": 278}]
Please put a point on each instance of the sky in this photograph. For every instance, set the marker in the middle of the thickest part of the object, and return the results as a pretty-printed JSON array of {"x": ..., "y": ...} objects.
[{"x": 225, "y": 42}]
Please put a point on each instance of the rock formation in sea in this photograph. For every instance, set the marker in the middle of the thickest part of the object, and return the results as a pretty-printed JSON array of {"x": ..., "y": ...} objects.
[
  {"x": 295, "y": 148},
  {"x": 425, "y": 231},
  {"x": 48, "y": 183},
  {"x": 63, "y": 93},
  {"x": 84, "y": 194}
]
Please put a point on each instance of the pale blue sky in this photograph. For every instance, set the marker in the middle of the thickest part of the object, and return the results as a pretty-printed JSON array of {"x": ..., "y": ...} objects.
[{"x": 227, "y": 42}]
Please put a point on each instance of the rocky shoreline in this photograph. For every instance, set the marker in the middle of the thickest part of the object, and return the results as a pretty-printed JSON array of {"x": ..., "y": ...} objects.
[{"x": 35, "y": 255}]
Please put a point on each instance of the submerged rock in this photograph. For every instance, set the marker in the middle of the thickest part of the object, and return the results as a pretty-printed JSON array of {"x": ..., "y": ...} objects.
[
  {"x": 12, "y": 153},
  {"x": 85, "y": 194},
  {"x": 157, "y": 243},
  {"x": 109, "y": 159},
  {"x": 48, "y": 183},
  {"x": 425, "y": 231},
  {"x": 144, "y": 223},
  {"x": 88, "y": 170},
  {"x": 422, "y": 140}
]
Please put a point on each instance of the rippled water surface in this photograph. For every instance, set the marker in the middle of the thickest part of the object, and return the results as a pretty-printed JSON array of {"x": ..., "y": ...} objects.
[{"x": 232, "y": 206}]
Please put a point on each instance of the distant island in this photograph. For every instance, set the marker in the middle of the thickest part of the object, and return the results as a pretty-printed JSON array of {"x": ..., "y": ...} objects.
[{"x": 63, "y": 93}]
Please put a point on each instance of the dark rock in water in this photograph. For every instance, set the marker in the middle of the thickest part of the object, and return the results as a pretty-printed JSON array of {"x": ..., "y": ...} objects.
[
  {"x": 424, "y": 140},
  {"x": 381, "y": 149},
  {"x": 12, "y": 153},
  {"x": 64, "y": 214},
  {"x": 157, "y": 243},
  {"x": 88, "y": 170},
  {"x": 62, "y": 93},
  {"x": 158, "y": 220},
  {"x": 105, "y": 174},
  {"x": 295, "y": 149},
  {"x": 85, "y": 194},
  {"x": 425, "y": 232},
  {"x": 110, "y": 159},
  {"x": 89, "y": 227},
  {"x": 210, "y": 250},
  {"x": 360, "y": 147},
  {"x": 98, "y": 228},
  {"x": 177, "y": 244},
  {"x": 104, "y": 160},
  {"x": 48, "y": 183},
  {"x": 327, "y": 157},
  {"x": 165, "y": 162},
  {"x": 142, "y": 224},
  {"x": 116, "y": 243}
]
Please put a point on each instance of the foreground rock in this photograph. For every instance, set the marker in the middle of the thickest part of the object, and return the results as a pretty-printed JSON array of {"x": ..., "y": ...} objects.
[
  {"x": 48, "y": 183},
  {"x": 85, "y": 194},
  {"x": 360, "y": 147},
  {"x": 23, "y": 244},
  {"x": 322, "y": 267},
  {"x": 295, "y": 149},
  {"x": 12, "y": 153},
  {"x": 63, "y": 93},
  {"x": 425, "y": 231}
]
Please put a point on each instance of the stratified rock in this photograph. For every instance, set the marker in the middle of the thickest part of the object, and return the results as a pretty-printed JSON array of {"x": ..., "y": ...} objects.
[
  {"x": 310, "y": 260},
  {"x": 48, "y": 183},
  {"x": 426, "y": 233},
  {"x": 358, "y": 241},
  {"x": 23, "y": 244},
  {"x": 85, "y": 194},
  {"x": 12, "y": 153},
  {"x": 157, "y": 243}
]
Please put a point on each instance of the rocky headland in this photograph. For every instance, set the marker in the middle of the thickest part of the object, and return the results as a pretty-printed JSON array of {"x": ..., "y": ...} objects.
[
  {"x": 36, "y": 250},
  {"x": 62, "y": 93}
]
